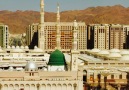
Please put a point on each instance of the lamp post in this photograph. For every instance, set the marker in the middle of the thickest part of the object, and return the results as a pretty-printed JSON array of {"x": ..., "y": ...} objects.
[{"x": 105, "y": 73}]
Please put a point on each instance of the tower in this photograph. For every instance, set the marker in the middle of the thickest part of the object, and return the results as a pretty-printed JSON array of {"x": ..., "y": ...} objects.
[
  {"x": 74, "y": 51},
  {"x": 41, "y": 30},
  {"x": 58, "y": 33},
  {"x": 4, "y": 35}
]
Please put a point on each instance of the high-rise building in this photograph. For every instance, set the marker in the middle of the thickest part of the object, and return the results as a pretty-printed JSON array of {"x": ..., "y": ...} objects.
[
  {"x": 116, "y": 36},
  {"x": 56, "y": 34},
  {"x": 90, "y": 36},
  {"x": 126, "y": 36},
  {"x": 101, "y": 36},
  {"x": 98, "y": 36},
  {"x": 105, "y": 36},
  {"x": 4, "y": 35},
  {"x": 32, "y": 35}
]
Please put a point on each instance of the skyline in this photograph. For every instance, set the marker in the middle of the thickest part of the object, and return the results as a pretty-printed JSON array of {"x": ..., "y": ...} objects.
[{"x": 50, "y": 5}]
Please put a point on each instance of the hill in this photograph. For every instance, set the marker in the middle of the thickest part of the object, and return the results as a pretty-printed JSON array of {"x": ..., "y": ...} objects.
[{"x": 18, "y": 21}]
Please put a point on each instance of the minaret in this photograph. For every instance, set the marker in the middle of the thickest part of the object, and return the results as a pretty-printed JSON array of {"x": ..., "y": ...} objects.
[
  {"x": 74, "y": 51},
  {"x": 58, "y": 33},
  {"x": 41, "y": 31},
  {"x": 75, "y": 30}
]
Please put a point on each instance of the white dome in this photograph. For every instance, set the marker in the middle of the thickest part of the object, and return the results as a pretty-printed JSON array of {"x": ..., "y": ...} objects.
[
  {"x": 22, "y": 47},
  {"x": 11, "y": 68},
  {"x": 38, "y": 50},
  {"x": 124, "y": 52},
  {"x": 13, "y": 47},
  {"x": 26, "y": 47},
  {"x": 31, "y": 66},
  {"x": 8, "y": 47},
  {"x": 35, "y": 47},
  {"x": 44, "y": 69},
  {"x": 104, "y": 52},
  {"x": 114, "y": 55},
  {"x": 95, "y": 50},
  {"x": 125, "y": 58},
  {"x": 17, "y": 49},
  {"x": 114, "y": 50}
]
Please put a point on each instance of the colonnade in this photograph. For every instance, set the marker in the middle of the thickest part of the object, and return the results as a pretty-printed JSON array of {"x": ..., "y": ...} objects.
[{"x": 39, "y": 86}]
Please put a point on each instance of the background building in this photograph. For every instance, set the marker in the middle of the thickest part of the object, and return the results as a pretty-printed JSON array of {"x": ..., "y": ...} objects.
[
  {"x": 50, "y": 34},
  {"x": 98, "y": 36},
  {"x": 101, "y": 36},
  {"x": 116, "y": 36},
  {"x": 4, "y": 35},
  {"x": 126, "y": 36},
  {"x": 32, "y": 35},
  {"x": 66, "y": 29},
  {"x": 107, "y": 36},
  {"x": 90, "y": 36}
]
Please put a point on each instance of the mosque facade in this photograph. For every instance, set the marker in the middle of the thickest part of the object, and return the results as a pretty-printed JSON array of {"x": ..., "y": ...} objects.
[
  {"x": 47, "y": 33},
  {"x": 18, "y": 72}
]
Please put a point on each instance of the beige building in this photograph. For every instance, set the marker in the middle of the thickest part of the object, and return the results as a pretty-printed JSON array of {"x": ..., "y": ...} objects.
[
  {"x": 55, "y": 74},
  {"x": 116, "y": 36},
  {"x": 106, "y": 67},
  {"x": 101, "y": 36},
  {"x": 40, "y": 80},
  {"x": 126, "y": 36},
  {"x": 4, "y": 35},
  {"x": 33, "y": 29},
  {"x": 36, "y": 75},
  {"x": 25, "y": 69},
  {"x": 107, "y": 36},
  {"x": 50, "y": 34}
]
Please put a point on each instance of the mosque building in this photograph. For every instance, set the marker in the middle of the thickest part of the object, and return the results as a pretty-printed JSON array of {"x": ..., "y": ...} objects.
[
  {"x": 44, "y": 34},
  {"x": 22, "y": 68},
  {"x": 56, "y": 74}
]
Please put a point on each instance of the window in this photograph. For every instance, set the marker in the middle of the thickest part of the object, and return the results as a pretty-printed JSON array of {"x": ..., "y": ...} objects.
[
  {"x": 112, "y": 76},
  {"x": 120, "y": 76}
]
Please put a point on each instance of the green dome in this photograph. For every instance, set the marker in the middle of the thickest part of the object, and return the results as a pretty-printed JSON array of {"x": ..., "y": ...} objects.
[{"x": 57, "y": 58}]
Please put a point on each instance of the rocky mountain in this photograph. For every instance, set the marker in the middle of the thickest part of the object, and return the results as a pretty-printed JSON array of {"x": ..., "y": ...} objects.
[{"x": 18, "y": 21}]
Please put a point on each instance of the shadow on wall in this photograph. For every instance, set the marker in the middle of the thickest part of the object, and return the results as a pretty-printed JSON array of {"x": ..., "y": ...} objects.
[{"x": 34, "y": 41}]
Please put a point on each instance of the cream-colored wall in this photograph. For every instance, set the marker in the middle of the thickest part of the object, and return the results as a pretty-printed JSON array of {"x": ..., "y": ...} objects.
[
  {"x": 50, "y": 28},
  {"x": 41, "y": 80}
]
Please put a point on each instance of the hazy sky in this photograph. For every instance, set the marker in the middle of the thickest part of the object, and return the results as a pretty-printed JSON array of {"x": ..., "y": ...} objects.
[{"x": 50, "y": 5}]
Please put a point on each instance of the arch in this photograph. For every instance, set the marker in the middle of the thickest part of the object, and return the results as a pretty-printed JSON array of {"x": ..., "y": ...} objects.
[
  {"x": 27, "y": 87},
  {"x": 32, "y": 87},
  {"x": 48, "y": 87},
  {"x": 69, "y": 87},
  {"x": 5, "y": 87},
  {"x": 21, "y": 86},
  {"x": 54, "y": 86},
  {"x": 59, "y": 87},
  {"x": 43, "y": 87},
  {"x": 16, "y": 86},
  {"x": 84, "y": 72},
  {"x": 11, "y": 87},
  {"x": 84, "y": 76},
  {"x": 64, "y": 87}
]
